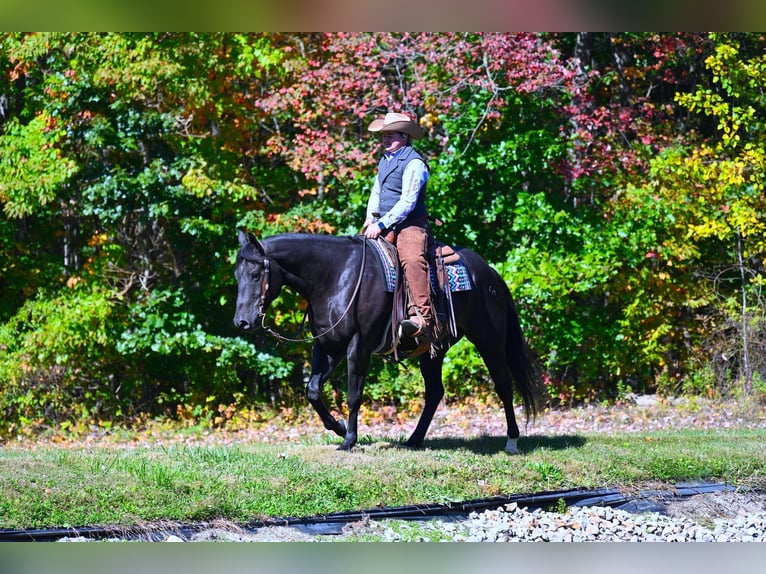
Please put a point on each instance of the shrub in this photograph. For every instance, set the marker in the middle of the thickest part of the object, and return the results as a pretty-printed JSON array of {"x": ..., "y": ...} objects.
[
  {"x": 55, "y": 359},
  {"x": 84, "y": 355}
]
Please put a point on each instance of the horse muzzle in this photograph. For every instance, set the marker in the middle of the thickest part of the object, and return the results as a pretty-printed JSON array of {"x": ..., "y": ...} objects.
[{"x": 246, "y": 322}]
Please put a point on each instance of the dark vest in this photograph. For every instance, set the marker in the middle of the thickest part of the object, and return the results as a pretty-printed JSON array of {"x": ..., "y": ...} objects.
[{"x": 390, "y": 176}]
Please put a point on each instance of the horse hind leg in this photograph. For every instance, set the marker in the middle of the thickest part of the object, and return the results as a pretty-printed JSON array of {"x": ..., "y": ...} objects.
[
  {"x": 431, "y": 369},
  {"x": 505, "y": 392},
  {"x": 494, "y": 358}
]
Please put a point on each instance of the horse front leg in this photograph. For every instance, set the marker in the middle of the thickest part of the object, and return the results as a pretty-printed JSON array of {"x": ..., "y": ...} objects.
[
  {"x": 431, "y": 369},
  {"x": 358, "y": 364},
  {"x": 322, "y": 366}
]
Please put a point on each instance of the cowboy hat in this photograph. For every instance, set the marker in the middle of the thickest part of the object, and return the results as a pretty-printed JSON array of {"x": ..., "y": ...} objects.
[{"x": 394, "y": 122}]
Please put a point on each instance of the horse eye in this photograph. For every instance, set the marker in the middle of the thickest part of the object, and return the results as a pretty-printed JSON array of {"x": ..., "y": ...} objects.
[{"x": 255, "y": 276}]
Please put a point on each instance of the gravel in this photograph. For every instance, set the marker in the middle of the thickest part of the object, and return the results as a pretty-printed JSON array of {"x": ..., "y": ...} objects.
[
  {"x": 737, "y": 517},
  {"x": 710, "y": 517}
]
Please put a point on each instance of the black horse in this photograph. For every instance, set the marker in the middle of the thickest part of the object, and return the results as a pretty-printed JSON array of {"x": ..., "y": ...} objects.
[{"x": 350, "y": 314}]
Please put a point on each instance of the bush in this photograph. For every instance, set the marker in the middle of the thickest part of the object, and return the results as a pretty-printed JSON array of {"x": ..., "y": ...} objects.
[
  {"x": 55, "y": 359},
  {"x": 84, "y": 356}
]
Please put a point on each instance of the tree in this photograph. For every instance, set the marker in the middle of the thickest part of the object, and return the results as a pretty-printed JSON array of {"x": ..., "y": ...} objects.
[
  {"x": 120, "y": 129},
  {"x": 720, "y": 180}
]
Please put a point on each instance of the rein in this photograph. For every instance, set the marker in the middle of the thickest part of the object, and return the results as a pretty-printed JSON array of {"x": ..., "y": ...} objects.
[{"x": 265, "y": 288}]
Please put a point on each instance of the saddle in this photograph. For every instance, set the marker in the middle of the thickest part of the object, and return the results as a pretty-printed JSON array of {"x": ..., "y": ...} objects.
[{"x": 439, "y": 256}]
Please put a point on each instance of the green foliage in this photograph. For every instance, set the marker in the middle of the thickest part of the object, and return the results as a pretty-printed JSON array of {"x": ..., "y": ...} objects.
[
  {"x": 46, "y": 379},
  {"x": 561, "y": 506},
  {"x": 611, "y": 294},
  {"x": 464, "y": 372},
  {"x": 185, "y": 364},
  {"x": 478, "y": 177},
  {"x": 393, "y": 383},
  {"x": 548, "y": 473},
  {"x": 715, "y": 187},
  {"x": 32, "y": 169},
  {"x": 149, "y": 356}
]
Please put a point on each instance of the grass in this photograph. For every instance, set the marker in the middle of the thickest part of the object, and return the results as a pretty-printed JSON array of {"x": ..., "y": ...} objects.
[{"x": 52, "y": 486}]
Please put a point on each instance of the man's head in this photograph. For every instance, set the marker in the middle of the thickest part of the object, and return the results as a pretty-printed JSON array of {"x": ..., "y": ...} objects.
[
  {"x": 394, "y": 141},
  {"x": 394, "y": 122}
]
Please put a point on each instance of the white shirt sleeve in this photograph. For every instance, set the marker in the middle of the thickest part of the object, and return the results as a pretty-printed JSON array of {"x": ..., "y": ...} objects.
[{"x": 373, "y": 202}]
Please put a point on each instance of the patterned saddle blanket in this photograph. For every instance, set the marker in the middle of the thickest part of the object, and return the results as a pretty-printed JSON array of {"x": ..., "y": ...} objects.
[{"x": 458, "y": 277}]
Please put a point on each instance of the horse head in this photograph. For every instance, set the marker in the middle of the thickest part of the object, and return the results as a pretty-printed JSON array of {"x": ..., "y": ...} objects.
[{"x": 258, "y": 282}]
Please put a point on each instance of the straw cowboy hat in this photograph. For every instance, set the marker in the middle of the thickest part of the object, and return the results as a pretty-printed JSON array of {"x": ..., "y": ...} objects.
[{"x": 394, "y": 122}]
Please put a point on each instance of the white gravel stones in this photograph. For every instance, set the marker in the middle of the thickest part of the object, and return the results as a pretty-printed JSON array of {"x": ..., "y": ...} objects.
[
  {"x": 718, "y": 517},
  {"x": 512, "y": 523}
]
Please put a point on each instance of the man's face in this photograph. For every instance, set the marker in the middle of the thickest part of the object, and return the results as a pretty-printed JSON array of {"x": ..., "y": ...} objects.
[{"x": 393, "y": 141}]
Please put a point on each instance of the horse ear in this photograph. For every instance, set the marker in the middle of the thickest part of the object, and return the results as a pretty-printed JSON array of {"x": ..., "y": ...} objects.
[
  {"x": 245, "y": 238},
  {"x": 255, "y": 243}
]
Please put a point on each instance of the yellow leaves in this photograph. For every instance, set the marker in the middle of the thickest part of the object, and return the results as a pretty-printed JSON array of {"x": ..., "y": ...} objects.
[
  {"x": 98, "y": 239},
  {"x": 738, "y": 217},
  {"x": 197, "y": 182},
  {"x": 720, "y": 192},
  {"x": 740, "y": 81},
  {"x": 718, "y": 175},
  {"x": 428, "y": 120},
  {"x": 746, "y": 219}
]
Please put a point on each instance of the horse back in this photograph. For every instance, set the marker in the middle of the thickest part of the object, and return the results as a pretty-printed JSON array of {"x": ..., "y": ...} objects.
[{"x": 482, "y": 273}]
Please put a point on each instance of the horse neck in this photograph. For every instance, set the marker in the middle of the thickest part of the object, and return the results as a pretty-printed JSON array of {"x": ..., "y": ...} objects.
[{"x": 308, "y": 262}]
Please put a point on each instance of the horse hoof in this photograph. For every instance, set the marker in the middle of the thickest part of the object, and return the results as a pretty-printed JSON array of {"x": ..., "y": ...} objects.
[
  {"x": 511, "y": 447},
  {"x": 340, "y": 429},
  {"x": 410, "y": 445},
  {"x": 347, "y": 446},
  {"x": 349, "y": 442}
]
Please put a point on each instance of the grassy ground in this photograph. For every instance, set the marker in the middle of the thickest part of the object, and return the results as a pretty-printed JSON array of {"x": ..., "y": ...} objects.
[{"x": 198, "y": 474}]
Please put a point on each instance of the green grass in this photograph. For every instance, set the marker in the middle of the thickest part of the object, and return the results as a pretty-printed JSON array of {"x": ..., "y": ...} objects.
[{"x": 57, "y": 487}]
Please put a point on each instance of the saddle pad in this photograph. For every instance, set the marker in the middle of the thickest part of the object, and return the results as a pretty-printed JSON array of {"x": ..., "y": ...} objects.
[
  {"x": 458, "y": 276},
  {"x": 457, "y": 272},
  {"x": 388, "y": 264}
]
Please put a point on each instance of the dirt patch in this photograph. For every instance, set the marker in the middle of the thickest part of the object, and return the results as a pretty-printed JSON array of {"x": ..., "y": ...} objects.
[
  {"x": 704, "y": 508},
  {"x": 267, "y": 534}
]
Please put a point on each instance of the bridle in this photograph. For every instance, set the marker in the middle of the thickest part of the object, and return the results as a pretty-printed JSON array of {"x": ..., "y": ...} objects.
[
  {"x": 264, "y": 288},
  {"x": 261, "y": 309}
]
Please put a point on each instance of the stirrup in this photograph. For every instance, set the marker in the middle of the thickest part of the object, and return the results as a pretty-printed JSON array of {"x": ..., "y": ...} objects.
[{"x": 410, "y": 328}]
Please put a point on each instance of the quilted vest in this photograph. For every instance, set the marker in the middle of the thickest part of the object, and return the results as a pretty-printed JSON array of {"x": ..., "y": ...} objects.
[{"x": 390, "y": 175}]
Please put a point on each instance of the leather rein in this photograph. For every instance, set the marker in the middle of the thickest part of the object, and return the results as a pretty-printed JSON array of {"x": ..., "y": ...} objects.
[{"x": 261, "y": 312}]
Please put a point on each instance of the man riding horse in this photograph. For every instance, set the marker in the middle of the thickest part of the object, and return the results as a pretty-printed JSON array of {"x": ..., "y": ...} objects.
[
  {"x": 396, "y": 210},
  {"x": 352, "y": 320}
]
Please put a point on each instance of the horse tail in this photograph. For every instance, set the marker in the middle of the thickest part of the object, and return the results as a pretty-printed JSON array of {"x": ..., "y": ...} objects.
[{"x": 523, "y": 367}]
